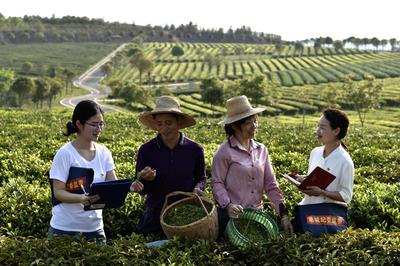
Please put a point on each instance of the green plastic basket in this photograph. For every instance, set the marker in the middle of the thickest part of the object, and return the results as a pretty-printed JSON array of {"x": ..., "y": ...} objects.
[{"x": 268, "y": 223}]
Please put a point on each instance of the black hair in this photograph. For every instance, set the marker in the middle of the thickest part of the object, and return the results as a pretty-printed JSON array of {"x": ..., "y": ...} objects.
[
  {"x": 337, "y": 119},
  {"x": 83, "y": 111},
  {"x": 229, "y": 127}
]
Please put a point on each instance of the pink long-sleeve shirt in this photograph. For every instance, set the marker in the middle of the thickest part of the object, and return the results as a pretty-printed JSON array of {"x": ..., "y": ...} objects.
[{"x": 242, "y": 177}]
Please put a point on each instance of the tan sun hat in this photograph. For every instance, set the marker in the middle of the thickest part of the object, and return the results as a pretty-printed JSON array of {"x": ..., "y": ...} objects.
[
  {"x": 166, "y": 105},
  {"x": 237, "y": 108}
]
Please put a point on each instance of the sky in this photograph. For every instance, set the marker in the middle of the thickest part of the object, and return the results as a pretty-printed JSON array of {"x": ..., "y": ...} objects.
[{"x": 291, "y": 19}]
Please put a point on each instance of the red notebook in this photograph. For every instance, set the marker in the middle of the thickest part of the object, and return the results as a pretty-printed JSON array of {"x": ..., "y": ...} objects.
[{"x": 318, "y": 177}]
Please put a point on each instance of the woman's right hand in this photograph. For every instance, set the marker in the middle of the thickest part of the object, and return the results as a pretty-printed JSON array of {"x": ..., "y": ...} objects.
[
  {"x": 234, "y": 210},
  {"x": 87, "y": 200},
  {"x": 148, "y": 173}
]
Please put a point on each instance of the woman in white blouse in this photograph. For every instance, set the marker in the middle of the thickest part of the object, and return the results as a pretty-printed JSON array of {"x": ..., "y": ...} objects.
[
  {"x": 324, "y": 210},
  {"x": 332, "y": 157}
]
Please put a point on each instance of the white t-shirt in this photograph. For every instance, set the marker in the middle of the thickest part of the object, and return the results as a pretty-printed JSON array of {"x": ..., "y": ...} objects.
[
  {"x": 338, "y": 163},
  {"x": 71, "y": 216}
]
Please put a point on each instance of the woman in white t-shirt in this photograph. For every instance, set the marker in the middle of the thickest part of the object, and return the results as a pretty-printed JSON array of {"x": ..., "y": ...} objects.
[{"x": 69, "y": 216}]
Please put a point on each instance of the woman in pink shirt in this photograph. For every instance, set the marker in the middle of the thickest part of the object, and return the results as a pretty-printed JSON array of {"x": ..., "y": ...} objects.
[{"x": 241, "y": 168}]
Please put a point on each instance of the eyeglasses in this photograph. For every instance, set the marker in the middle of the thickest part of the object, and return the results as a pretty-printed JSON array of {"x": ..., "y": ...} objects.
[{"x": 99, "y": 125}]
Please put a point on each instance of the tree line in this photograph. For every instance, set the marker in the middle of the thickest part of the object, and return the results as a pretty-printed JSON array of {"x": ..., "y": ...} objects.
[
  {"x": 36, "y": 29},
  {"x": 354, "y": 41},
  {"x": 16, "y": 91}
]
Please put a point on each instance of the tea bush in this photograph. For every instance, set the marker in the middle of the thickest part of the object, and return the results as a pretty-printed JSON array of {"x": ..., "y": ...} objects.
[
  {"x": 376, "y": 205},
  {"x": 353, "y": 247},
  {"x": 25, "y": 208},
  {"x": 29, "y": 141}
]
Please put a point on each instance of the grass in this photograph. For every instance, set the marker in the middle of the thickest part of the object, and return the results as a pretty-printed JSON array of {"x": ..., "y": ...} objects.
[
  {"x": 76, "y": 57},
  {"x": 74, "y": 92}
]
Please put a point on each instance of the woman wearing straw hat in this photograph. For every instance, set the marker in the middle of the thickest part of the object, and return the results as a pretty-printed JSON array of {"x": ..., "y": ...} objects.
[
  {"x": 167, "y": 163},
  {"x": 241, "y": 168}
]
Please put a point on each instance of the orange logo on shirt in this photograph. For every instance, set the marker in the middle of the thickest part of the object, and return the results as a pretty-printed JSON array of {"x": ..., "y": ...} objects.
[
  {"x": 325, "y": 220},
  {"x": 76, "y": 183}
]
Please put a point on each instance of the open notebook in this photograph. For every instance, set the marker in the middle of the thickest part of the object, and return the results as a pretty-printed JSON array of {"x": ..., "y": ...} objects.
[{"x": 318, "y": 177}]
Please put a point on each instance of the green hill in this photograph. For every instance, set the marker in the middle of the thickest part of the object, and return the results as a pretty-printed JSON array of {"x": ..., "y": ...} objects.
[
  {"x": 286, "y": 67},
  {"x": 77, "y": 57},
  {"x": 292, "y": 71}
]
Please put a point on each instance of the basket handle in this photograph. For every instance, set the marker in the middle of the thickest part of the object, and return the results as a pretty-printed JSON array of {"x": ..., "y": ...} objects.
[{"x": 189, "y": 194}]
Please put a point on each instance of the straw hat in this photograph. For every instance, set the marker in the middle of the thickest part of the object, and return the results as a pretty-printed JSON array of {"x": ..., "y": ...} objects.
[
  {"x": 238, "y": 108},
  {"x": 166, "y": 105}
]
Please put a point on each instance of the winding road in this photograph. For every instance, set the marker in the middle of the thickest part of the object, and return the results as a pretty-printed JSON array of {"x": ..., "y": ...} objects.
[{"x": 90, "y": 81}]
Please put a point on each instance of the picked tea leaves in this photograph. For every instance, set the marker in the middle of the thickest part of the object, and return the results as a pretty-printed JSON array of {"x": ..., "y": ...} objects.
[
  {"x": 184, "y": 214},
  {"x": 252, "y": 230}
]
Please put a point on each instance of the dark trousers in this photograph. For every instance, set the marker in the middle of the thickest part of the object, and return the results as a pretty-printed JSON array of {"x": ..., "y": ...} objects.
[
  {"x": 223, "y": 220},
  {"x": 98, "y": 236},
  {"x": 150, "y": 222}
]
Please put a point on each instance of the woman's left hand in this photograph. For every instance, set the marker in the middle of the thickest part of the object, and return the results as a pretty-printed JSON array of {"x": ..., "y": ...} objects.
[
  {"x": 313, "y": 191},
  {"x": 287, "y": 225},
  {"x": 136, "y": 186}
]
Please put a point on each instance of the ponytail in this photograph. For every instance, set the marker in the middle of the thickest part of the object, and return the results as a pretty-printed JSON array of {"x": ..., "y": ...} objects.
[{"x": 71, "y": 129}]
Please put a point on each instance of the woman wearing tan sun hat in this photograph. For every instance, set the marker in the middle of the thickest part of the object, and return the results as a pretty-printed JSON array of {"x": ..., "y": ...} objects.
[
  {"x": 241, "y": 168},
  {"x": 167, "y": 163}
]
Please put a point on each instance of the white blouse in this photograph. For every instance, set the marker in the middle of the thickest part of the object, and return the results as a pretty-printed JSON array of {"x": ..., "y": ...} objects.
[{"x": 338, "y": 163}]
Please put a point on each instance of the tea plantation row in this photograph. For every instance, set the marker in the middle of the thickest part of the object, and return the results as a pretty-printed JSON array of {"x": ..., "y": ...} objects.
[
  {"x": 234, "y": 61},
  {"x": 30, "y": 140}
]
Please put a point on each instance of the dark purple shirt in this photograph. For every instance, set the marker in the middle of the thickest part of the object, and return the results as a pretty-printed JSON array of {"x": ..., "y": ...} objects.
[{"x": 179, "y": 169}]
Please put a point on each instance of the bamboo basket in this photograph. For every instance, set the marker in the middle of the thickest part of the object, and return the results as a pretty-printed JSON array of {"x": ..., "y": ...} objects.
[
  {"x": 268, "y": 223},
  {"x": 205, "y": 228}
]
